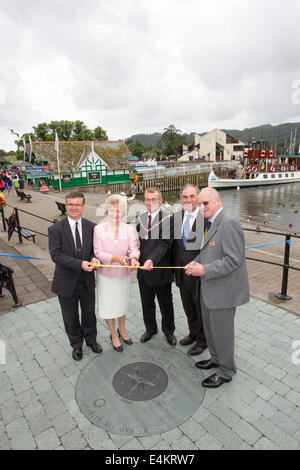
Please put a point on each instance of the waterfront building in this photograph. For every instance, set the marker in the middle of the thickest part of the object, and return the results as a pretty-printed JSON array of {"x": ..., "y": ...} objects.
[
  {"x": 213, "y": 146},
  {"x": 84, "y": 163}
]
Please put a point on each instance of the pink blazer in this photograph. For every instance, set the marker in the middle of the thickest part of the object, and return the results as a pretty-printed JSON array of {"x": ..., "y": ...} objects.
[{"x": 105, "y": 247}]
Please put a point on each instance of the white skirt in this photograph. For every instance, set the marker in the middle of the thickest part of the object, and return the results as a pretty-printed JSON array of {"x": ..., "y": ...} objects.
[{"x": 112, "y": 296}]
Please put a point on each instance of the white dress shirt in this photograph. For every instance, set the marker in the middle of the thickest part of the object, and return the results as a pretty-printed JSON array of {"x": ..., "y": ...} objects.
[
  {"x": 192, "y": 219},
  {"x": 72, "y": 223}
]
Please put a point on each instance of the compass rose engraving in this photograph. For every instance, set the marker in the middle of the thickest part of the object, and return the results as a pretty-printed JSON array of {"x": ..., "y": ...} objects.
[{"x": 140, "y": 381}]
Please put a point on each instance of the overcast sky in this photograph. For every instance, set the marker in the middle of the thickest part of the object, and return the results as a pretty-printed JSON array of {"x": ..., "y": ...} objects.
[{"x": 137, "y": 66}]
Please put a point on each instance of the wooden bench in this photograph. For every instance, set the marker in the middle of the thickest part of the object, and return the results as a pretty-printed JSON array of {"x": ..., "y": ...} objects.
[
  {"x": 23, "y": 196},
  {"x": 25, "y": 232},
  {"x": 62, "y": 207}
]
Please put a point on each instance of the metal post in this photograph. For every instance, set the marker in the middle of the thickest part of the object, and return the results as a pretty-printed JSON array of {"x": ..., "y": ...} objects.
[
  {"x": 3, "y": 219},
  {"x": 283, "y": 295},
  {"x": 18, "y": 225}
]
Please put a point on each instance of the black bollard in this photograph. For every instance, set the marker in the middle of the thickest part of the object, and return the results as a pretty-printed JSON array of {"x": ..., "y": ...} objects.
[{"x": 283, "y": 295}]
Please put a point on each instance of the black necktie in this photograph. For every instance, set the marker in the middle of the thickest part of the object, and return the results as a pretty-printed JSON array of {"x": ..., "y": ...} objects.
[{"x": 78, "y": 242}]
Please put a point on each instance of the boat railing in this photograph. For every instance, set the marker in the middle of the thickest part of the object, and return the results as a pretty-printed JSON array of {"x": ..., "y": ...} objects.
[{"x": 286, "y": 261}]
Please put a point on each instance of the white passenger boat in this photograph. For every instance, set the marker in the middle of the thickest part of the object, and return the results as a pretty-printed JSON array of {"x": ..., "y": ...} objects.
[{"x": 260, "y": 167}]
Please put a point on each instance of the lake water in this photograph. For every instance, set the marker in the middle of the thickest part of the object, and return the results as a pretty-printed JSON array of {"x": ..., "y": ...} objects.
[{"x": 275, "y": 206}]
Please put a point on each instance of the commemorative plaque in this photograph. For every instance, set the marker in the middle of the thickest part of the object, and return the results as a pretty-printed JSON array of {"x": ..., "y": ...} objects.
[{"x": 148, "y": 389}]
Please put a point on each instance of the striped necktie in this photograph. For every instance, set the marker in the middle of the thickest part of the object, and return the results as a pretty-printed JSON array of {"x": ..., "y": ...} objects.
[
  {"x": 186, "y": 230},
  {"x": 206, "y": 228}
]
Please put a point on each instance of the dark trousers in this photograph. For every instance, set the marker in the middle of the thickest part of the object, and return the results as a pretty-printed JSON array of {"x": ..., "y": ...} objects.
[
  {"x": 165, "y": 301},
  {"x": 192, "y": 308},
  {"x": 86, "y": 329}
]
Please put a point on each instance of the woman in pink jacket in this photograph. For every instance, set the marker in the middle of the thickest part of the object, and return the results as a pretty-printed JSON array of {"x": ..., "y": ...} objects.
[{"x": 115, "y": 243}]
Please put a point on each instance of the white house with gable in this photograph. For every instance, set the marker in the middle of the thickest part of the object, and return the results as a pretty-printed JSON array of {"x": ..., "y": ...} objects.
[{"x": 215, "y": 145}]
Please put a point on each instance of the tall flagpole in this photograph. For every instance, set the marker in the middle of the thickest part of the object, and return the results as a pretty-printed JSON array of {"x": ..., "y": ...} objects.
[
  {"x": 30, "y": 149},
  {"x": 56, "y": 146},
  {"x": 24, "y": 144}
]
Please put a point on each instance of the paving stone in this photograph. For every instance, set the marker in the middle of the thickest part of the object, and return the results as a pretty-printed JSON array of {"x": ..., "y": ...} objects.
[
  {"x": 34, "y": 409},
  {"x": 149, "y": 441},
  {"x": 74, "y": 440},
  {"x": 96, "y": 438},
  {"x": 47, "y": 440},
  {"x": 192, "y": 430},
  {"x": 183, "y": 443},
  {"x": 41, "y": 385},
  {"x": 264, "y": 408},
  {"x": 172, "y": 435},
  {"x": 275, "y": 434},
  {"x": 282, "y": 404},
  {"x": 224, "y": 413},
  {"x": 4, "y": 440},
  {"x": 246, "y": 432},
  {"x": 208, "y": 442},
  {"x": 134, "y": 444},
  {"x": 162, "y": 445},
  {"x": 222, "y": 433},
  {"x": 55, "y": 408},
  {"x": 38, "y": 423},
  {"x": 286, "y": 423},
  {"x": 248, "y": 413},
  {"x": 10, "y": 411},
  {"x": 24, "y": 442},
  {"x": 265, "y": 444},
  {"x": 293, "y": 397},
  {"x": 280, "y": 388},
  {"x": 26, "y": 398},
  {"x": 44, "y": 359},
  {"x": 63, "y": 423},
  {"x": 120, "y": 440}
]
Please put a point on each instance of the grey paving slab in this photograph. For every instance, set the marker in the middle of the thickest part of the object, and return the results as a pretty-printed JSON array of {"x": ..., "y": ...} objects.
[{"x": 259, "y": 409}]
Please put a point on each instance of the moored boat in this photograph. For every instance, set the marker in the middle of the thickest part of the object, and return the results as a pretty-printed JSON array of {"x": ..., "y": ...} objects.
[{"x": 260, "y": 167}]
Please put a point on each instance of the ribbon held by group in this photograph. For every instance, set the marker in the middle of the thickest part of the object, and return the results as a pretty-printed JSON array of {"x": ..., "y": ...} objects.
[
  {"x": 140, "y": 267},
  {"x": 132, "y": 267}
]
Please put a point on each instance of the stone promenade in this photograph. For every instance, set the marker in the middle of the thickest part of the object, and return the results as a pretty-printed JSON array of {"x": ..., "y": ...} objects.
[{"x": 259, "y": 409}]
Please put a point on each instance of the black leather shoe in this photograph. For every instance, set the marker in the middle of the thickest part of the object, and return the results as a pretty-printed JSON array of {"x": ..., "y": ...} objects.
[
  {"x": 77, "y": 354},
  {"x": 126, "y": 341},
  {"x": 209, "y": 364},
  {"x": 171, "y": 340},
  {"x": 96, "y": 348},
  {"x": 117, "y": 348},
  {"x": 187, "y": 340},
  {"x": 214, "y": 381},
  {"x": 196, "y": 349},
  {"x": 147, "y": 335}
]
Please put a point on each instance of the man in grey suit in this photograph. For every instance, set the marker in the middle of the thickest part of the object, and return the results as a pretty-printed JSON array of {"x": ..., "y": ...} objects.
[{"x": 224, "y": 285}]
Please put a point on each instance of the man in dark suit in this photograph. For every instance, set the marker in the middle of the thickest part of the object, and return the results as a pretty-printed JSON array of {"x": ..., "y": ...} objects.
[
  {"x": 154, "y": 228},
  {"x": 71, "y": 246},
  {"x": 188, "y": 230}
]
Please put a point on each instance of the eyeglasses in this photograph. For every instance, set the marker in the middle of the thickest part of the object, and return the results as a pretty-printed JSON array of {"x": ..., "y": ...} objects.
[
  {"x": 76, "y": 206},
  {"x": 205, "y": 203},
  {"x": 152, "y": 200}
]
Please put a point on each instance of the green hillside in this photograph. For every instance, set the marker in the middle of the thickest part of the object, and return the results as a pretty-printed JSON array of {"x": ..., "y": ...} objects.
[{"x": 279, "y": 134}]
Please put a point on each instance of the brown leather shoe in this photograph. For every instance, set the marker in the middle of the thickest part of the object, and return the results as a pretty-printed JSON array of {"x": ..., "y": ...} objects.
[
  {"x": 187, "y": 340},
  {"x": 195, "y": 350}
]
